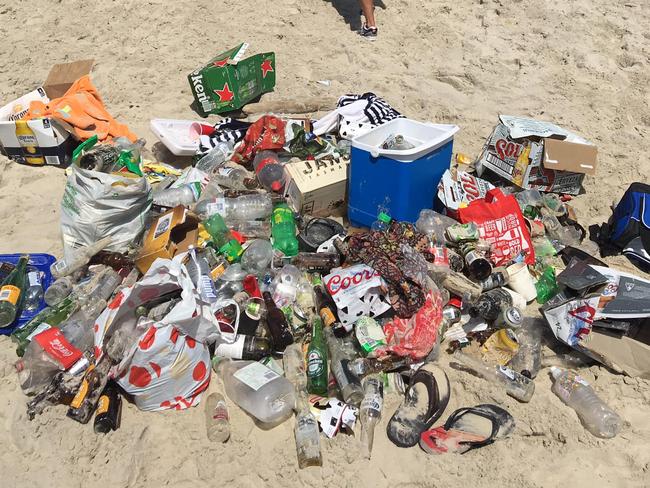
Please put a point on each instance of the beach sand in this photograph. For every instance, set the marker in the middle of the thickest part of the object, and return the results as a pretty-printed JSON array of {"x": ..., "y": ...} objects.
[{"x": 583, "y": 64}]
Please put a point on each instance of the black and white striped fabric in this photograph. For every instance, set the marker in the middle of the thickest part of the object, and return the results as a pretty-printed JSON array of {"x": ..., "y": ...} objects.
[
  {"x": 227, "y": 130},
  {"x": 377, "y": 109}
]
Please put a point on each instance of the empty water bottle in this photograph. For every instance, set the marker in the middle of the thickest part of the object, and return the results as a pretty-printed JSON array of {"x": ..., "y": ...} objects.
[
  {"x": 245, "y": 207},
  {"x": 269, "y": 170},
  {"x": 172, "y": 197},
  {"x": 34, "y": 291},
  {"x": 232, "y": 177},
  {"x": 217, "y": 420},
  {"x": 218, "y": 155},
  {"x": 595, "y": 414}
]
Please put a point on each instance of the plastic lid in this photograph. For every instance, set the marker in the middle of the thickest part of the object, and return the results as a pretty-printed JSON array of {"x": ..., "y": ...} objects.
[
  {"x": 276, "y": 186},
  {"x": 455, "y": 302},
  {"x": 384, "y": 217}
]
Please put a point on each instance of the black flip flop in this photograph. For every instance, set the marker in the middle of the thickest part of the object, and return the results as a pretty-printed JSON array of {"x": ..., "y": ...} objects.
[
  {"x": 467, "y": 429},
  {"x": 426, "y": 399}
]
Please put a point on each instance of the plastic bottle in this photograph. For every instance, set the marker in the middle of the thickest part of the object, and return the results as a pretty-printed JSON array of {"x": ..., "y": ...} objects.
[
  {"x": 58, "y": 291},
  {"x": 217, "y": 420},
  {"x": 78, "y": 258},
  {"x": 516, "y": 385},
  {"x": 493, "y": 302},
  {"x": 370, "y": 411},
  {"x": 269, "y": 170},
  {"x": 218, "y": 155},
  {"x": 283, "y": 230},
  {"x": 341, "y": 352},
  {"x": 222, "y": 238},
  {"x": 293, "y": 363},
  {"x": 11, "y": 291},
  {"x": 258, "y": 390},
  {"x": 257, "y": 256},
  {"x": 382, "y": 222},
  {"x": 285, "y": 285},
  {"x": 172, "y": 197},
  {"x": 34, "y": 291},
  {"x": 528, "y": 359},
  {"x": 199, "y": 270},
  {"x": 257, "y": 229},
  {"x": 365, "y": 366},
  {"x": 597, "y": 417},
  {"x": 321, "y": 262},
  {"x": 244, "y": 207},
  {"x": 307, "y": 435},
  {"x": 235, "y": 178}
]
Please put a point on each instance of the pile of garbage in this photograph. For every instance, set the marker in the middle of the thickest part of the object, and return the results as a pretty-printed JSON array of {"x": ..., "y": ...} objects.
[{"x": 315, "y": 265}]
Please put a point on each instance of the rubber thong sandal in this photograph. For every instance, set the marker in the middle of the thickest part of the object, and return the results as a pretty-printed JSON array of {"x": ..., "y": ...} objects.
[
  {"x": 468, "y": 428},
  {"x": 426, "y": 399}
]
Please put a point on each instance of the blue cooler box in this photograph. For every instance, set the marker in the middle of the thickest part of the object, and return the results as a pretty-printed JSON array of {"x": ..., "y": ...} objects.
[{"x": 401, "y": 182}]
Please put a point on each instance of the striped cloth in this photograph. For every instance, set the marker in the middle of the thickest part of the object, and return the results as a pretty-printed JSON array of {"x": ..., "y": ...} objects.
[{"x": 377, "y": 109}]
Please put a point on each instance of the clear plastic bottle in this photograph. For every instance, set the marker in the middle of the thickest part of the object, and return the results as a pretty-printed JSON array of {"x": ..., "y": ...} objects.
[
  {"x": 528, "y": 359},
  {"x": 257, "y": 256},
  {"x": 59, "y": 290},
  {"x": 370, "y": 411},
  {"x": 217, "y": 420},
  {"x": 257, "y": 229},
  {"x": 78, "y": 259},
  {"x": 258, "y": 390},
  {"x": 307, "y": 435},
  {"x": 232, "y": 177},
  {"x": 245, "y": 207},
  {"x": 597, "y": 417},
  {"x": 215, "y": 158},
  {"x": 199, "y": 270},
  {"x": 382, "y": 222},
  {"x": 34, "y": 291},
  {"x": 516, "y": 385},
  {"x": 269, "y": 170},
  {"x": 172, "y": 197}
]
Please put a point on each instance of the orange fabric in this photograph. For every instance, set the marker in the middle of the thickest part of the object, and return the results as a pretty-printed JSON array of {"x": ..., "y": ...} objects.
[{"x": 81, "y": 111}]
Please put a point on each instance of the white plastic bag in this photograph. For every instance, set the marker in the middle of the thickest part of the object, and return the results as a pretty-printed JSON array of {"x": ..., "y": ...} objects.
[{"x": 97, "y": 205}]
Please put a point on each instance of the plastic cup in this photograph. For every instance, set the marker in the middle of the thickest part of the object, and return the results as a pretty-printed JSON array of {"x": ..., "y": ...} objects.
[
  {"x": 197, "y": 130},
  {"x": 522, "y": 281}
]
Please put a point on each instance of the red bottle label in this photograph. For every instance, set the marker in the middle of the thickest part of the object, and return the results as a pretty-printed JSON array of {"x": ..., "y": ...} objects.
[{"x": 58, "y": 348}]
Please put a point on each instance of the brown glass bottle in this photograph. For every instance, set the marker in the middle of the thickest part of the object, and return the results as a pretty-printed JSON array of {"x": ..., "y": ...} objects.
[{"x": 277, "y": 324}]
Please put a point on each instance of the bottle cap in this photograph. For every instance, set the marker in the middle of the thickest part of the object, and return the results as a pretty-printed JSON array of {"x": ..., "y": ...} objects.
[
  {"x": 384, "y": 217},
  {"x": 276, "y": 186}
]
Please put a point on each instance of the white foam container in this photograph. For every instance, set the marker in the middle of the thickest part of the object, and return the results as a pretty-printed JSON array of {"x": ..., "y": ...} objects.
[{"x": 175, "y": 135}]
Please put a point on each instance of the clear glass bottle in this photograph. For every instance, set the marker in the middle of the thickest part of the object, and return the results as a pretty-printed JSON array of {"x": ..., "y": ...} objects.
[
  {"x": 370, "y": 411},
  {"x": 217, "y": 420}
]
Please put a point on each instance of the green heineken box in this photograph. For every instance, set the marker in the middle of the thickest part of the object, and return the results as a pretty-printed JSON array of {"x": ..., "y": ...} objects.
[{"x": 228, "y": 83}]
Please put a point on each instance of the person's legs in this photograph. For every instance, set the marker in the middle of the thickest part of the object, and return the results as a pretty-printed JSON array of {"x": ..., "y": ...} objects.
[{"x": 368, "y": 8}]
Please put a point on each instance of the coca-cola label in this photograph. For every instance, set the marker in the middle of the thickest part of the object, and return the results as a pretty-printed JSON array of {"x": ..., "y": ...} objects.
[{"x": 57, "y": 347}]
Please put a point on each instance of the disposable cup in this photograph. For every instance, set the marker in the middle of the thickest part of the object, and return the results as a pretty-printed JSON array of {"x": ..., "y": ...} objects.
[
  {"x": 197, "y": 130},
  {"x": 522, "y": 281}
]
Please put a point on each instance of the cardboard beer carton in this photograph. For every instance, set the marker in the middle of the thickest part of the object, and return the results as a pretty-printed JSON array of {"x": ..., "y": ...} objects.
[
  {"x": 170, "y": 234},
  {"x": 537, "y": 155},
  {"x": 317, "y": 187},
  {"x": 62, "y": 76},
  {"x": 227, "y": 82},
  {"x": 35, "y": 142}
]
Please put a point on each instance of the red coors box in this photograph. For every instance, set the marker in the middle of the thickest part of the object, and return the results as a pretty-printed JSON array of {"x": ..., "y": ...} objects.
[{"x": 534, "y": 154}]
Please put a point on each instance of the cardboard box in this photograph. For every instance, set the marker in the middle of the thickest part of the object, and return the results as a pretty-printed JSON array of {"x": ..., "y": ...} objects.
[
  {"x": 538, "y": 155},
  {"x": 317, "y": 187},
  {"x": 45, "y": 143},
  {"x": 62, "y": 76},
  {"x": 170, "y": 234},
  {"x": 18, "y": 108},
  {"x": 227, "y": 82}
]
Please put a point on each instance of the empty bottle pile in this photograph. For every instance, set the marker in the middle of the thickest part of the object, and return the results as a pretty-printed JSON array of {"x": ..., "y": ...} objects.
[{"x": 234, "y": 270}]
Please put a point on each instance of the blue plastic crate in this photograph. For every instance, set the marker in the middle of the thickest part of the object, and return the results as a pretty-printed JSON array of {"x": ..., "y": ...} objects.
[
  {"x": 404, "y": 182},
  {"x": 42, "y": 262}
]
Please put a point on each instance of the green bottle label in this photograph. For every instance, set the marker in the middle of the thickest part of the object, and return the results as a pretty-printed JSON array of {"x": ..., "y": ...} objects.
[
  {"x": 315, "y": 364},
  {"x": 232, "y": 250}
]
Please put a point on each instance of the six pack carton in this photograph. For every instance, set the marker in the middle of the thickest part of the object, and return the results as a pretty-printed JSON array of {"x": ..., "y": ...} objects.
[
  {"x": 227, "y": 82},
  {"x": 537, "y": 155}
]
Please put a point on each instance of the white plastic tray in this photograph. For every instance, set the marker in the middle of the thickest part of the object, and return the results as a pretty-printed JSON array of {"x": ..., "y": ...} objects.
[{"x": 175, "y": 135}]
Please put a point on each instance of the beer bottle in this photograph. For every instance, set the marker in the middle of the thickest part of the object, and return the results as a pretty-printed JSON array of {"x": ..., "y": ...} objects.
[
  {"x": 277, "y": 324},
  {"x": 28, "y": 143},
  {"x": 109, "y": 410},
  {"x": 10, "y": 292},
  {"x": 317, "y": 374},
  {"x": 325, "y": 306}
]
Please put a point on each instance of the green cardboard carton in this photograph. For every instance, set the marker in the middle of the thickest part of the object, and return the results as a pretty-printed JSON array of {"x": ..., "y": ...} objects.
[{"x": 228, "y": 83}]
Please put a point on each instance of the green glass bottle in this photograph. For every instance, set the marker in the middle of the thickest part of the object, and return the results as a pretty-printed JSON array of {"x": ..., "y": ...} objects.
[
  {"x": 222, "y": 238},
  {"x": 11, "y": 292},
  {"x": 50, "y": 316},
  {"x": 317, "y": 373}
]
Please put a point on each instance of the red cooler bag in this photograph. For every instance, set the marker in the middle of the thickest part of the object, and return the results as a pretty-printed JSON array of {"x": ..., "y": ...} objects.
[{"x": 502, "y": 224}]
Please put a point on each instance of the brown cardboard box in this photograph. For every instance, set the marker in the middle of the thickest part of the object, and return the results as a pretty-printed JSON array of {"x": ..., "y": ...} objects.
[
  {"x": 170, "y": 234},
  {"x": 317, "y": 187},
  {"x": 537, "y": 155},
  {"x": 62, "y": 76}
]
